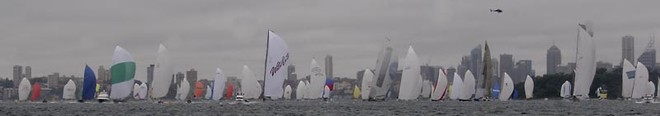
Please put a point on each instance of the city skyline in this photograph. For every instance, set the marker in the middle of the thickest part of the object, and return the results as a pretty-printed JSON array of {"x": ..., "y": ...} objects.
[{"x": 61, "y": 37}]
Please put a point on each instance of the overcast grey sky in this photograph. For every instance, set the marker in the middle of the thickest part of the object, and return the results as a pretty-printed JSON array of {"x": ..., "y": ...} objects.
[{"x": 64, "y": 35}]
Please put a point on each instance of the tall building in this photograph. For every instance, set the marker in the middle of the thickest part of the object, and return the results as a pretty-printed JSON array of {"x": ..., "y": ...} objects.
[
  {"x": 18, "y": 74},
  {"x": 150, "y": 74},
  {"x": 476, "y": 65},
  {"x": 553, "y": 60},
  {"x": 628, "y": 48},
  {"x": 450, "y": 74},
  {"x": 28, "y": 72},
  {"x": 648, "y": 58},
  {"x": 522, "y": 70},
  {"x": 328, "y": 66},
  {"x": 506, "y": 64},
  {"x": 102, "y": 75},
  {"x": 496, "y": 67},
  {"x": 191, "y": 75},
  {"x": 53, "y": 80}
]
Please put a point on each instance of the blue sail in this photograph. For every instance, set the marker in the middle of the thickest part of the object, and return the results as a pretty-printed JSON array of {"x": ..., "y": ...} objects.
[{"x": 89, "y": 84}]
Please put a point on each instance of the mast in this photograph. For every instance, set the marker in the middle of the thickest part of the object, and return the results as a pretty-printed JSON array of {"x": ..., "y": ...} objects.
[{"x": 263, "y": 88}]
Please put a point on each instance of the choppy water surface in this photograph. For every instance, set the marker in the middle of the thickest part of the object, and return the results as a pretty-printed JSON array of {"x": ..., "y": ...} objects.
[{"x": 345, "y": 107}]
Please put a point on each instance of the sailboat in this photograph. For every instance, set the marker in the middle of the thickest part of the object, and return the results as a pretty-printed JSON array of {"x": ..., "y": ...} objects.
[
  {"x": 300, "y": 90},
  {"x": 469, "y": 84},
  {"x": 356, "y": 92},
  {"x": 487, "y": 72},
  {"x": 249, "y": 85},
  {"x": 641, "y": 77},
  {"x": 277, "y": 57},
  {"x": 565, "y": 91},
  {"x": 456, "y": 87},
  {"x": 69, "y": 90},
  {"x": 650, "y": 90},
  {"x": 122, "y": 72},
  {"x": 218, "y": 85},
  {"x": 380, "y": 85},
  {"x": 89, "y": 84},
  {"x": 326, "y": 92},
  {"x": 317, "y": 80},
  {"x": 142, "y": 92},
  {"x": 426, "y": 89},
  {"x": 529, "y": 87},
  {"x": 24, "y": 89},
  {"x": 410, "y": 77},
  {"x": 440, "y": 88},
  {"x": 136, "y": 91},
  {"x": 287, "y": 92},
  {"x": 230, "y": 91},
  {"x": 199, "y": 90},
  {"x": 209, "y": 92},
  {"x": 36, "y": 91},
  {"x": 163, "y": 72},
  {"x": 507, "y": 88},
  {"x": 367, "y": 77},
  {"x": 627, "y": 79},
  {"x": 184, "y": 89},
  {"x": 586, "y": 62}
]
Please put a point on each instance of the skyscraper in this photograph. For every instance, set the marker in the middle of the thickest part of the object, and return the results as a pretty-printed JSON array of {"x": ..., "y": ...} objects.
[
  {"x": 28, "y": 72},
  {"x": 553, "y": 59},
  {"x": 191, "y": 75},
  {"x": 18, "y": 74},
  {"x": 150, "y": 73},
  {"x": 476, "y": 65},
  {"x": 648, "y": 58},
  {"x": 328, "y": 66},
  {"x": 522, "y": 70},
  {"x": 506, "y": 64},
  {"x": 628, "y": 48}
]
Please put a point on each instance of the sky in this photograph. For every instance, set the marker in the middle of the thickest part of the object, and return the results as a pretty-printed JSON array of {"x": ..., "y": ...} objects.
[{"x": 64, "y": 35}]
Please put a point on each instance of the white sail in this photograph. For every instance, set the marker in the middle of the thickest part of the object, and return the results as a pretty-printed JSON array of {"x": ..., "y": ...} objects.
[
  {"x": 440, "y": 86},
  {"x": 565, "y": 89},
  {"x": 317, "y": 81},
  {"x": 122, "y": 73},
  {"x": 136, "y": 91},
  {"x": 277, "y": 58},
  {"x": 586, "y": 63},
  {"x": 287, "y": 92},
  {"x": 507, "y": 88},
  {"x": 426, "y": 89},
  {"x": 24, "y": 89},
  {"x": 184, "y": 89},
  {"x": 529, "y": 87},
  {"x": 410, "y": 87},
  {"x": 326, "y": 92},
  {"x": 380, "y": 85},
  {"x": 218, "y": 85},
  {"x": 69, "y": 92},
  {"x": 249, "y": 85},
  {"x": 627, "y": 79},
  {"x": 209, "y": 92},
  {"x": 456, "y": 87},
  {"x": 469, "y": 84},
  {"x": 143, "y": 91},
  {"x": 650, "y": 90},
  {"x": 367, "y": 77},
  {"x": 163, "y": 72},
  {"x": 641, "y": 78},
  {"x": 300, "y": 90}
]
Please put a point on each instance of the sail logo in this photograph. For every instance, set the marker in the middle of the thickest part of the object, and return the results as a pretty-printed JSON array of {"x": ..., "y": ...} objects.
[{"x": 279, "y": 64}]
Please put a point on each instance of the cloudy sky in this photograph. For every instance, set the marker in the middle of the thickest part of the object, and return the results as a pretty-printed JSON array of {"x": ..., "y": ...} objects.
[{"x": 63, "y": 36}]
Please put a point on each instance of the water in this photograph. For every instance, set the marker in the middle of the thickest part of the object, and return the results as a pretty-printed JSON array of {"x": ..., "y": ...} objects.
[{"x": 344, "y": 107}]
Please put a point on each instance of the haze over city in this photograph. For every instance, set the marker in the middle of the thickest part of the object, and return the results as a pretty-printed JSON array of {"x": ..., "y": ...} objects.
[{"x": 55, "y": 36}]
